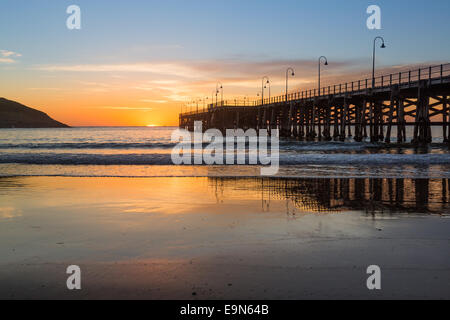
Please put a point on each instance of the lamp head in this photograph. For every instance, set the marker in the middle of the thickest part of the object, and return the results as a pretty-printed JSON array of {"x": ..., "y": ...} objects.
[
  {"x": 383, "y": 46},
  {"x": 326, "y": 62}
]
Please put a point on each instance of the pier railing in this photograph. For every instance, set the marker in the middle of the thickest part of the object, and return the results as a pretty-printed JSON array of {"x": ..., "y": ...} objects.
[
  {"x": 403, "y": 78},
  {"x": 407, "y": 78}
]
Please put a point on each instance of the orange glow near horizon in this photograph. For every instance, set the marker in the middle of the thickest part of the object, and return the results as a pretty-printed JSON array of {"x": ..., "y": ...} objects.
[
  {"x": 131, "y": 101},
  {"x": 141, "y": 95},
  {"x": 98, "y": 106}
]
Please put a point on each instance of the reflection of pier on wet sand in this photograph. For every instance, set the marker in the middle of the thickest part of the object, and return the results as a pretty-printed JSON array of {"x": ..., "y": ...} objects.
[
  {"x": 379, "y": 195},
  {"x": 205, "y": 238}
]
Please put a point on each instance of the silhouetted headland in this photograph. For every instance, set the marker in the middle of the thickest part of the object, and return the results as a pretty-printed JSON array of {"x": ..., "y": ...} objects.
[{"x": 16, "y": 115}]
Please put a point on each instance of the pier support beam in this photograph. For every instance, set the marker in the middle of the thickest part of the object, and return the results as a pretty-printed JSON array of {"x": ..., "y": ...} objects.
[
  {"x": 394, "y": 95},
  {"x": 359, "y": 120},
  {"x": 401, "y": 128},
  {"x": 344, "y": 118},
  {"x": 313, "y": 120},
  {"x": 422, "y": 128},
  {"x": 327, "y": 121},
  {"x": 371, "y": 121},
  {"x": 445, "y": 126},
  {"x": 301, "y": 133},
  {"x": 336, "y": 122}
]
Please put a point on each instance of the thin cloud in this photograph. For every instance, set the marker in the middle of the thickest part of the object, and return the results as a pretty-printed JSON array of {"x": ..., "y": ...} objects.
[
  {"x": 173, "y": 69},
  {"x": 7, "y": 53},
  {"x": 153, "y": 101},
  {"x": 7, "y": 60},
  {"x": 124, "y": 108},
  {"x": 206, "y": 69},
  {"x": 175, "y": 81},
  {"x": 164, "y": 82},
  {"x": 178, "y": 98},
  {"x": 167, "y": 46},
  {"x": 42, "y": 89},
  {"x": 7, "y": 56}
]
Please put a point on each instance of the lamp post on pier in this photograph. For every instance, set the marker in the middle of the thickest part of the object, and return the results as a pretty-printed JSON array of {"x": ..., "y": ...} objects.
[
  {"x": 325, "y": 63},
  {"x": 287, "y": 79},
  {"x": 212, "y": 97},
  {"x": 219, "y": 88},
  {"x": 263, "y": 86},
  {"x": 373, "y": 57}
]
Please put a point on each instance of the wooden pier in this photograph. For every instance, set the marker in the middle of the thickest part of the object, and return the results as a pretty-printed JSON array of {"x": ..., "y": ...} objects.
[{"x": 358, "y": 109}]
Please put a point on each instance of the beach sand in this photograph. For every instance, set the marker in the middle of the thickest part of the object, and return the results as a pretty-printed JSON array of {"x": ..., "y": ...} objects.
[{"x": 206, "y": 238}]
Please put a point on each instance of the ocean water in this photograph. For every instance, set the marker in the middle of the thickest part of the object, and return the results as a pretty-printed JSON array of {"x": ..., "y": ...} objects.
[
  {"x": 110, "y": 201},
  {"x": 146, "y": 152}
]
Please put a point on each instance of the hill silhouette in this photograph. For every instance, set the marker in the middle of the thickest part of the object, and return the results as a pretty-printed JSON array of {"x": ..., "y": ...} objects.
[{"x": 16, "y": 115}]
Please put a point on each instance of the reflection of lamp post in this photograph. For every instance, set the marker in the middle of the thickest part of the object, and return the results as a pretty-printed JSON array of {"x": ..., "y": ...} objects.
[
  {"x": 373, "y": 60},
  {"x": 263, "y": 86},
  {"x": 287, "y": 79},
  {"x": 326, "y": 63}
]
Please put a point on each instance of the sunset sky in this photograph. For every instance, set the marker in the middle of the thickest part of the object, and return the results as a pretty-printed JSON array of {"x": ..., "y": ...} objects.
[{"x": 136, "y": 62}]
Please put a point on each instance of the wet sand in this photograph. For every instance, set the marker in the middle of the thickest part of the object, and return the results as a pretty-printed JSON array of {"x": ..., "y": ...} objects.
[{"x": 206, "y": 238}]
